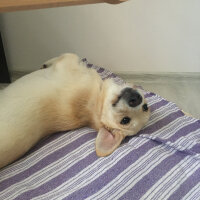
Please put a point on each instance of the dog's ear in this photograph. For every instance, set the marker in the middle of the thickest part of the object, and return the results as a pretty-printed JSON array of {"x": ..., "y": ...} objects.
[{"x": 107, "y": 142}]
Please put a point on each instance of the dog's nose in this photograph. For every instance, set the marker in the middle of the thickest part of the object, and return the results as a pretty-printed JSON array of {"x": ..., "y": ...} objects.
[{"x": 132, "y": 97}]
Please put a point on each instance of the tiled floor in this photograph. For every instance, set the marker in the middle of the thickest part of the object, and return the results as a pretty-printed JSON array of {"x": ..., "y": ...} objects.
[{"x": 184, "y": 90}]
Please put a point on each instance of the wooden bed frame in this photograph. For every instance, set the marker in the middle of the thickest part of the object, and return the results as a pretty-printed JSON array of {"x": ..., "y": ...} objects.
[{"x": 17, "y": 5}]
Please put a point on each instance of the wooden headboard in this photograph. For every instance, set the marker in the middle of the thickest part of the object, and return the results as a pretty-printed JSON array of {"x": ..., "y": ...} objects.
[{"x": 15, "y": 5}]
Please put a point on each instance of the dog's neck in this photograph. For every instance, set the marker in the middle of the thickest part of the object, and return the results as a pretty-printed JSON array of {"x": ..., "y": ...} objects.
[
  {"x": 98, "y": 102},
  {"x": 83, "y": 108}
]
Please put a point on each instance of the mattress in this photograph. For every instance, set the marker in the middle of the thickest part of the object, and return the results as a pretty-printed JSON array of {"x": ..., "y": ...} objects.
[{"x": 161, "y": 162}]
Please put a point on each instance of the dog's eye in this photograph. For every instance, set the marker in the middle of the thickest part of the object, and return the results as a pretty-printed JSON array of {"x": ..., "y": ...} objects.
[
  {"x": 145, "y": 107},
  {"x": 125, "y": 120}
]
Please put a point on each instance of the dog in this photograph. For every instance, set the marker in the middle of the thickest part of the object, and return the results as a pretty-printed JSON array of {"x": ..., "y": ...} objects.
[{"x": 67, "y": 95}]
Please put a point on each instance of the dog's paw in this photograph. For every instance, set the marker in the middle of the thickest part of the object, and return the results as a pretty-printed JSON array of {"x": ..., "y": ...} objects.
[
  {"x": 44, "y": 66},
  {"x": 68, "y": 60}
]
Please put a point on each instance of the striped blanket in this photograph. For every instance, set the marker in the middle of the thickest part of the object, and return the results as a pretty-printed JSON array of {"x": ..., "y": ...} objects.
[{"x": 161, "y": 162}]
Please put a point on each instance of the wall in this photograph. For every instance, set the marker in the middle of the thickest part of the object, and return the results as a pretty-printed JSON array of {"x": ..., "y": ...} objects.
[{"x": 136, "y": 36}]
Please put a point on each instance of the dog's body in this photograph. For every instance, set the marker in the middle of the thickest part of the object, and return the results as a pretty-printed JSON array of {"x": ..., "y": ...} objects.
[{"x": 65, "y": 96}]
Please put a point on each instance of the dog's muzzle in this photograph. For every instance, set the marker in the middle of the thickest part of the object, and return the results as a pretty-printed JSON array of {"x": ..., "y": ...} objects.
[{"x": 131, "y": 96}]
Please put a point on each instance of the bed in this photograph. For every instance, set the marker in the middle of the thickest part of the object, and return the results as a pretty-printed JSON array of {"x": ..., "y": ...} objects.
[{"x": 161, "y": 162}]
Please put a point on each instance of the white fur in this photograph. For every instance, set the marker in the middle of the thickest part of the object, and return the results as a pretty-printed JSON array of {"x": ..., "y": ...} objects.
[{"x": 64, "y": 96}]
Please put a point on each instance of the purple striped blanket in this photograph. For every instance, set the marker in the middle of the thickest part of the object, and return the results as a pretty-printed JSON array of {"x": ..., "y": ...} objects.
[{"x": 161, "y": 162}]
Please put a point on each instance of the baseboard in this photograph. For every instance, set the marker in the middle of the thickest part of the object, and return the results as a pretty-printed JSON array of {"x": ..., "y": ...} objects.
[
  {"x": 152, "y": 76},
  {"x": 147, "y": 76}
]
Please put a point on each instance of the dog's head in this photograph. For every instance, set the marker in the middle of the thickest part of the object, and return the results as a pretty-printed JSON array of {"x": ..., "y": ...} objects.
[{"x": 124, "y": 113}]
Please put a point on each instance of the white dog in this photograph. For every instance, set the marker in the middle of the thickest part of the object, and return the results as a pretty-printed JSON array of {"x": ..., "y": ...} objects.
[{"x": 65, "y": 96}]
